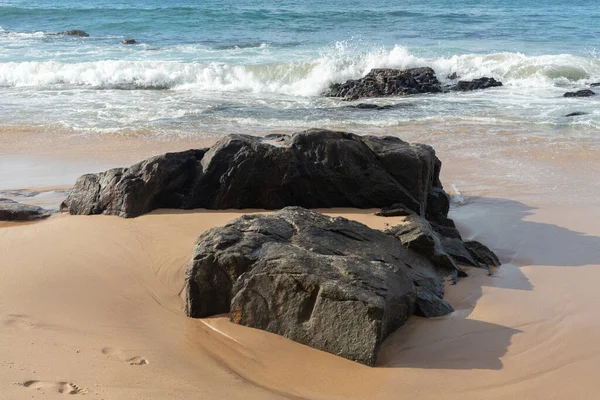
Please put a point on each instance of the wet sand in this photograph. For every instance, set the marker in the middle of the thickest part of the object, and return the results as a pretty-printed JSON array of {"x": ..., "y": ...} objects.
[{"x": 93, "y": 306}]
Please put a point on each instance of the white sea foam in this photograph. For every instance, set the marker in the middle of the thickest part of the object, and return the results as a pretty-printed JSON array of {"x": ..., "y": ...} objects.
[{"x": 301, "y": 78}]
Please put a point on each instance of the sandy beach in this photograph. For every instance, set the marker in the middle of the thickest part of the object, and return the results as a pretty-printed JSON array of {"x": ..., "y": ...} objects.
[{"x": 92, "y": 305}]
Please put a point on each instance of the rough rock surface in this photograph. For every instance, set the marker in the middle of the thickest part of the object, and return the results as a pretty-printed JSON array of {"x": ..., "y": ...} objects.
[
  {"x": 13, "y": 211},
  {"x": 476, "y": 84},
  {"x": 580, "y": 93},
  {"x": 314, "y": 168},
  {"x": 482, "y": 254},
  {"x": 74, "y": 32},
  {"x": 330, "y": 283},
  {"x": 382, "y": 82},
  {"x": 416, "y": 234}
]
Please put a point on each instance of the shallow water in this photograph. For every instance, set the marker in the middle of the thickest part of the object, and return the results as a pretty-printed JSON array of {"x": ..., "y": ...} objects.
[{"x": 259, "y": 67}]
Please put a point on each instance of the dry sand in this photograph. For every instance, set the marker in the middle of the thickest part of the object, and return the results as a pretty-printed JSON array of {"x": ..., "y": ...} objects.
[{"x": 93, "y": 306}]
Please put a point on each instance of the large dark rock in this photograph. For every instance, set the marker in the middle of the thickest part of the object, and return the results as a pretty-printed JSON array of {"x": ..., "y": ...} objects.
[
  {"x": 580, "y": 93},
  {"x": 476, "y": 84},
  {"x": 330, "y": 283},
  {"x": 12, "y": 211},
  {"x": 382, "y": 82},
  {"x": 315, "y": 168},
  {"x": 74, "y": 32}
]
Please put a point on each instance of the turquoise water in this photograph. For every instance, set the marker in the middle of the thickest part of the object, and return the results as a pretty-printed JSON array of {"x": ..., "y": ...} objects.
[{"x": 212, "y": 67}]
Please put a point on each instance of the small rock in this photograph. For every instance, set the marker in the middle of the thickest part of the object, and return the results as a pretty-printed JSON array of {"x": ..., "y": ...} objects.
[
  {"x": 580, "y": 93},
  {"x": 129, "y": 41},
  {"x": 459, "y": 252},
  {"x": 12, "y": 211},
  {"x": 482, "y": 254},
  {"x": 415, "y": 233},
  {"x": 371, "y": 106},
  {"x": 576, "y": 114},
  {"x": 75, "y": 32},
  {"x": 395, "y": 210},
  {"x": 476, "y": 84},
  {"x": 429, "y": 305},
  {"x": 595, "y": 84}
]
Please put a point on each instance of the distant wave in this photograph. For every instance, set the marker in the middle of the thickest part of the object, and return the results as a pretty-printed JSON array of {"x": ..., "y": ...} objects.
[{"x": 332, "y": 64}]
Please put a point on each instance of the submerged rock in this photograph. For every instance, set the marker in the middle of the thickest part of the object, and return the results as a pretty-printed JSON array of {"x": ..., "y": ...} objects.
[
  {"x": 576, "y": 114},
  {"x": 476, "y": 84},
  {"x": 74, "y": 32},
  {"x": 580, "y": 93},
  {"x": 13, "y": 211},
  {"x": 382, "y": 82},
  {"x": 371, "y": 106},
  {"x": 129, "y": 41},
  {"x": 314, "y": 168},
  {"x": 330, "y": 283}
]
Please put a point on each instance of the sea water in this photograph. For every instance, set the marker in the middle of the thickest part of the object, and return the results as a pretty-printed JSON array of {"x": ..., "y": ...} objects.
[{"x": 220, "y": 66}]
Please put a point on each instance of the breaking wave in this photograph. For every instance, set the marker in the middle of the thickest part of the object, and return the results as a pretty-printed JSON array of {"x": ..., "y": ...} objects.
[{"x": 335, "y": 63}]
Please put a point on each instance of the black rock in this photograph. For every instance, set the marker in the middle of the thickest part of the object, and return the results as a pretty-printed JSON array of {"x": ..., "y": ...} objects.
[
  {"x": 395, "y": 210},
  {"x": 458, "y": 250},
  {"x": 446, "y": 230},
  {"x": 12, "y": 211},
  {"x": 482, "y": 254},
  {"x": 576, "y": 114},
  {"x": 580, "y": 93},
  {"x": 330, "y": 283},
  {"x": 476, "y": 84},
  {"x": 595, "y": 84},
  {"x": 371, "y": 106},
  {"x": 312, "y": 169},
  {"x": 382, "y": 82},
  {"x": 129, "y": 41},
  {"x": 415, "y": 233},
  {"x": 74, "y": 32},
  {"x": 429, "y": 305},
  {"x": 453, "y": 76}
]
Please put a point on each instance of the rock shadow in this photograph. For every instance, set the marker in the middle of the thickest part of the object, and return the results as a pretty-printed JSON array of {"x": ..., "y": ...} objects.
[
  {"x": 446, "y": 343},
  {"x": 455, "y": 342},
  {"x": 502, "y": 224}
]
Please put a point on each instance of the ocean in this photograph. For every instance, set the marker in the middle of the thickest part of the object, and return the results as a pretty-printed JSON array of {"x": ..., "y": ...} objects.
[{"x": 208, "y": 68}]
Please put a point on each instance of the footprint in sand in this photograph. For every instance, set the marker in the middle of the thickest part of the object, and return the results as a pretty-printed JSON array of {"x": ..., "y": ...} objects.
[
  {"x": 118, "y": 354},
  {"x": 57, "y": 387},
  {"x": 17, "y": 321}
]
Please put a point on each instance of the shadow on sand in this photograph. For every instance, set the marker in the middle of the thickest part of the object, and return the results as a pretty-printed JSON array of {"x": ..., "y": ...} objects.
[{"x": 456, "y": 342}]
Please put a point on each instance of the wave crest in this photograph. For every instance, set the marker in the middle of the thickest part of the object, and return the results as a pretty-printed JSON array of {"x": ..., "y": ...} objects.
[{"x": 332, "y": 64}]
